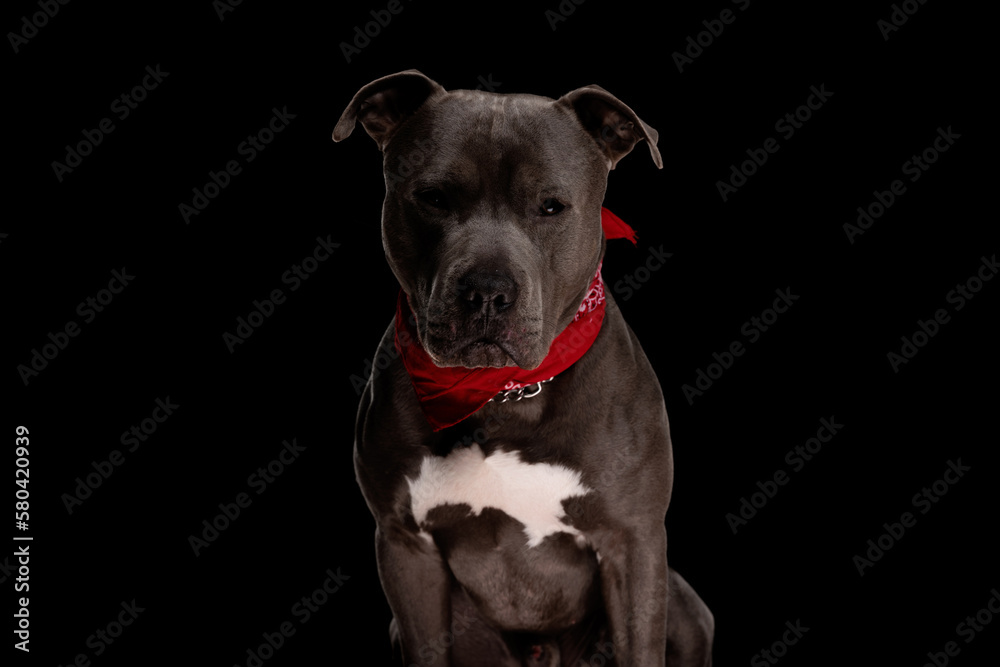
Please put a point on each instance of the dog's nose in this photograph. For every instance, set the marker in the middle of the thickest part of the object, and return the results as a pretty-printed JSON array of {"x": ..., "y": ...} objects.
[{"x": 487, "y": 292}]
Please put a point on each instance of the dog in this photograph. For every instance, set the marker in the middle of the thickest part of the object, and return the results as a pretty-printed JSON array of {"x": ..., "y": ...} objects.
[{"x": 514, "y": 450}]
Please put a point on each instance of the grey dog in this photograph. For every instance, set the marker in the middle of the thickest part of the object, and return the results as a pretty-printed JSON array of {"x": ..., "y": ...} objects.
[{"x": 528, "y": 532}]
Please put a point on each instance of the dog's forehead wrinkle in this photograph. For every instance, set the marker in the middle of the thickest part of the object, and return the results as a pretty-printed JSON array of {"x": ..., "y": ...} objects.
[
  {"x": 526, "y": 119},
  {"x": 551, "y": 133},
  {"x": 520, "y": 148}
]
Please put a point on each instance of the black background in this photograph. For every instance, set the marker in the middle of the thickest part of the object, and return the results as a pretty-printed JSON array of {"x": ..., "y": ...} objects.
[{"x": 825, "y": 358}]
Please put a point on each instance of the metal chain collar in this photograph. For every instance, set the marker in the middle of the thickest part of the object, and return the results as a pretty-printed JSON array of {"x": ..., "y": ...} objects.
[{"x": 529, "y": 391}]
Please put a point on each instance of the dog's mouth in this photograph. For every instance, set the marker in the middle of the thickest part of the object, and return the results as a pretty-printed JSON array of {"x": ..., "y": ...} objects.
[
  {"x": 482, "y": 352},
  {"x": 487, "y": 352},
  {"x": 452, "y": 336}
]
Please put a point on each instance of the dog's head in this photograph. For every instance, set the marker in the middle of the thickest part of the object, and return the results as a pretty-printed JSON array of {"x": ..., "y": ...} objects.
[{"x": 492, "y": 213}]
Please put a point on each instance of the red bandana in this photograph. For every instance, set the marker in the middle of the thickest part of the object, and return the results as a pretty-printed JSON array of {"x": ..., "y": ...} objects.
[{"x": 449, "y": 395}]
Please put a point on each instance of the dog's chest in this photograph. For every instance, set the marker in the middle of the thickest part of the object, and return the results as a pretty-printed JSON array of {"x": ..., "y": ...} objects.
[{"x": 530, "y": 493}]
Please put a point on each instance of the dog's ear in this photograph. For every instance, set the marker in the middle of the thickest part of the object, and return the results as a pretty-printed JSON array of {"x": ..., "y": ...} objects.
[
  {"x": 385, "y": 103},
  {"x": 614, "y": 126}
]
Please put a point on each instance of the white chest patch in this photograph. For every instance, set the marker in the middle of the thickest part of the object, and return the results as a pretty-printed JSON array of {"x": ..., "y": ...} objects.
[{"x": 531, "y": 493}]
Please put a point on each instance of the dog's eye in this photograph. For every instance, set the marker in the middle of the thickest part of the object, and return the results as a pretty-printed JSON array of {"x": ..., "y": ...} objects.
[
  {"x": 551, "y": 206},
  {"x": 434, "y": 197}
]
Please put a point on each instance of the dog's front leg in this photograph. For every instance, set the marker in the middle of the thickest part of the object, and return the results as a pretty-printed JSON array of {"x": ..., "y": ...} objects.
[
  {"x": 634, "y": 582},
  {"x": 416, "y": 584}
]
